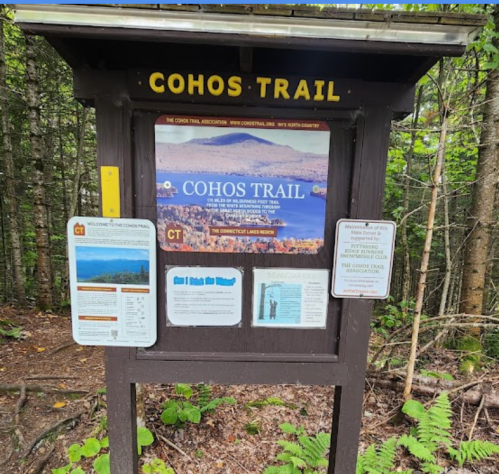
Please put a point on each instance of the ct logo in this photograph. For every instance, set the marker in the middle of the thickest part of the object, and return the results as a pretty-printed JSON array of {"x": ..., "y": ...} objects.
[
  {"x": 174, "y": 234},
  {"x": 79, "y": 230}
]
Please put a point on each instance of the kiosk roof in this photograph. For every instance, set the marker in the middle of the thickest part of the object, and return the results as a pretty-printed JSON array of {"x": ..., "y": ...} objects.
[{"x": 413, "y": 41}]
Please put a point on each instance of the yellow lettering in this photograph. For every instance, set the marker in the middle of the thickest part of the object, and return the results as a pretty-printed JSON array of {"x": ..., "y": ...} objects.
[
  {"x": 153, "y": 82},
  {"x": 235, "y": 89},
  {"x": 176, "y": 88},
  {"x": 193, "y": 83},
  {"x": 302, "y": 90},
  {"x": 330, "y": 93},
  {"x": 281, "y": 88},
  {"x": 319, "y": 86},
  {"x": 264, "y": 82},
  {"x": 216, "y": 90}
]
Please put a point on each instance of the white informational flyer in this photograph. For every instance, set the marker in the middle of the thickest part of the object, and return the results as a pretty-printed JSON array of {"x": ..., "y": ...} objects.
[
  {"x": 204, "y": 296},
  {"x": 290, "y": 297},
  {"x": 112, "y": 267},
  {"x": 363, "y": 259}
]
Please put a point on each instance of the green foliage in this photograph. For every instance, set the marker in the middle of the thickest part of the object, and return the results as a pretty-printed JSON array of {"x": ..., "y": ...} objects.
[
  {"x": 392, "y": 316},
  {"x": 157, "y": 466},
  {"x": 472, "y": 353},
  {"x": 491, "y": 344},
  {"x": 430, "y": 438},
  {"x": 378, "y": 460},
  {"x": 470, "y": 451},
  {"x": 9, "y": 329},
  {"x": 270, "y": 401},
  {"x": 179, "y": 411},
  {"x": 432, "y": 430},
  {"x": 102, "y": 464},
  {"x": 92, "y": 448},
  {"x": 144, "y": 438},
  {"x": 252, "y": 428},
  {"x": 436, "y": 375},
  {"x": 306, "y": 456}
]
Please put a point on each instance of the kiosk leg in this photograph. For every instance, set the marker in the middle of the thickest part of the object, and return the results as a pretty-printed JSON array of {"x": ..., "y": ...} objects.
[
  {"x": 346, "y": 429},
  {"x": 121, "y": 414}
]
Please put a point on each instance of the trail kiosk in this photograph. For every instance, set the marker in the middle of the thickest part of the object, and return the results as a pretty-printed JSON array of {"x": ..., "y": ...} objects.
[{"x": 245, "y": 133}]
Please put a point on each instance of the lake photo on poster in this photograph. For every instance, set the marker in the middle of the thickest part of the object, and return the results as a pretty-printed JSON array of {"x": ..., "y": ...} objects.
[
  {"x": 117, "y": 266},
  {"x": 260, "y": 189},
  {"x": 302, "y": 217}
]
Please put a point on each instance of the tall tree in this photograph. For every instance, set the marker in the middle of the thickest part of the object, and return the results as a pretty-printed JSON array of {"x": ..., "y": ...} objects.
[
  {"x": 44, "y": 272},
  {"x": 481, "y": 217},
  {"x": 15, "y": 240}
]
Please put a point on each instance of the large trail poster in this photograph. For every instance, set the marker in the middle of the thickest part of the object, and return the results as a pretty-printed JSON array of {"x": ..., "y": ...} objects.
[{"x": 241, "y": 185}]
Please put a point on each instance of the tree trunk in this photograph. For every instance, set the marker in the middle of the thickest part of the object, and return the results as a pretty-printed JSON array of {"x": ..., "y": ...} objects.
[
  {"x": 79, "y": 157},
  {"x": 10, "y": 190},
  {"x": 482, "y": 208},
  {"x": 426, "y": 257},
  {"x": 43, "y": 271},
  {"x": 406, "y": 288},
  {"x": 448, "y": 259}
]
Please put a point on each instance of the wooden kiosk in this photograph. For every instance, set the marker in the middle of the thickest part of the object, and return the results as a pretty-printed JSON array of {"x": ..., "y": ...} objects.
[{"x": 345, "y": 72}]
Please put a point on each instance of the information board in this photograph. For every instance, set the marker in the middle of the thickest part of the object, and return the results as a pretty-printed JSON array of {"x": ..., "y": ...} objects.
[
  {"x": 112, "y": 266},
  {"x": 204, "y": 296},
  {"x": 241, "y": 185},
  {"x": 363, "y": 259},
  {"x": 290, "y": 297}
]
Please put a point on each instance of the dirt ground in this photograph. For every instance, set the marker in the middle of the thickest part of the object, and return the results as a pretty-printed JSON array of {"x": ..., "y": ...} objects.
[{"x": 65, "y": 385}]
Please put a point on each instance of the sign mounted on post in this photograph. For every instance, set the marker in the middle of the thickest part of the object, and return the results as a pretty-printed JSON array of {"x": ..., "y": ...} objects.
[
  {"x": 363, "y": 258},
  {"x": 112, "y": 267},
  {"x": 241, "y": 185}
]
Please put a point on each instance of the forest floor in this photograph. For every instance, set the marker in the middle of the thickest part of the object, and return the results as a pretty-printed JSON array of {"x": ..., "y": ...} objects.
[{"x": 65, "y": 384}]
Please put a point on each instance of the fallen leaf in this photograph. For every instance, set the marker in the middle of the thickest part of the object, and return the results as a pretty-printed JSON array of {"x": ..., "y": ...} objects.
[
  {"x": 59, "y": 405},
  {"x": 62, "y": 385},
  {"x": 3, "y": 369},
  {"x": 40, "y": 349},
  {"x": 83, "y": 360},
  {"x": 220, "y": 464}
]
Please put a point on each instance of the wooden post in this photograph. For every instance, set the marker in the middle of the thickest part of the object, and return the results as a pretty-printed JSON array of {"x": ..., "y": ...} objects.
[
  {"x": 366, "y": 202},
  {"x": 114, "y": 148}
]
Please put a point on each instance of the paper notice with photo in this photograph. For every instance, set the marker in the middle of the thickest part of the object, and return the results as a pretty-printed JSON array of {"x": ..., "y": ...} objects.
[
  {"x": 290, "y": 297},
  {"x": 112, "y": 264}
]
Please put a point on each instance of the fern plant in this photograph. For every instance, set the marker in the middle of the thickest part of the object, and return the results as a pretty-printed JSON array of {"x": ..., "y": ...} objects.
[
  {"x": 431, "y": 433},
  {"x": 470, "y": 451},
  {"x": 307, "y": 456},
  {"x": 178, "y": 411},
  {"x": 379, "y": 460},
  {"x": 430, "y": 437}
]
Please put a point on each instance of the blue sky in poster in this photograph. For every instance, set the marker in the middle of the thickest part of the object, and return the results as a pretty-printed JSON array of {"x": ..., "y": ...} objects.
[{"x": 108, "y": 253}]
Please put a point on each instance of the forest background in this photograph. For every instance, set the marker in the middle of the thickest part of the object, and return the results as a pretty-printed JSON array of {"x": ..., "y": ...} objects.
[{"x": 441, "y": 189}]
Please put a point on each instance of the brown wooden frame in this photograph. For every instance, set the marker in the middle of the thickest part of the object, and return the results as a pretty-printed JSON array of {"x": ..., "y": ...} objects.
[{"x": 343, "y": 366}]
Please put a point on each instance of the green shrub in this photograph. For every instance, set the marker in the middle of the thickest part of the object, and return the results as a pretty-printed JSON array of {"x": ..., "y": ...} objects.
[
  {"x": 92, "y": 448},
  {"x": 178, "y": 411}
]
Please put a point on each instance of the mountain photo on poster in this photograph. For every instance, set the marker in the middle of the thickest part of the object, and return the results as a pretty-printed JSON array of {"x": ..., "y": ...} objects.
[
  {"x": 241, "y": 190},
  {"x": 117, "y": 266}
]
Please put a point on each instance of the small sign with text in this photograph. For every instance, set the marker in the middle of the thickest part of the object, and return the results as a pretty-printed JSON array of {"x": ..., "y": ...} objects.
[{"x": 363, "y": 259}]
